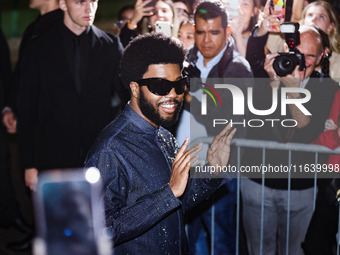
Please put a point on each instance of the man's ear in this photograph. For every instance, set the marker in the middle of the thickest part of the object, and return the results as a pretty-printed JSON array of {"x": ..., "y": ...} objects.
[
  {"x": 62, "y": 5},
  {"x": 134, "y": 87},
  {"x": 286, "y": 47},
  {"x": 327, "y": 52},
  {"x": 228, "y": 32},
  {"x": 319, "y": 58}
]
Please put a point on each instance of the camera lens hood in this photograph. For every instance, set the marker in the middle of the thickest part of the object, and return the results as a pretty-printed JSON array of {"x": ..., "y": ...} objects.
[{"x": 284, "y": 64}]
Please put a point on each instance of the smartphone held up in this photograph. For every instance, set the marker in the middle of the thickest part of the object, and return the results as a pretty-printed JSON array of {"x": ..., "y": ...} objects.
[{"x": 69, "y": 214}]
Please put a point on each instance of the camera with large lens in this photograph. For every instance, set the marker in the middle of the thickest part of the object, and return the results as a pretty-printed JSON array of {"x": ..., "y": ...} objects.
[{"x": 285, "y": 63}]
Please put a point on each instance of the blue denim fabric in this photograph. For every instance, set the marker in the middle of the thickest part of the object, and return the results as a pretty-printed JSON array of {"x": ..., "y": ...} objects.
[
  {"x": 224, "y": 202},
  {"x": 142, "y": 213}
]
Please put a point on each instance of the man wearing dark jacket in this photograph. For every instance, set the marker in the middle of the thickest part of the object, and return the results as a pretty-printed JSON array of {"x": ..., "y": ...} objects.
[
  {"x": 66, "y": 88},
  {"x": 215, "y": 57},
  {"x": 49, "y": 13}
]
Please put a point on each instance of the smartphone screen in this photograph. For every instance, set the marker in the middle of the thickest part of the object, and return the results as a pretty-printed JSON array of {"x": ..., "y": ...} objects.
[
  {"x": 151, "y": 4},
  {"x": 69, "y": 214},
  {"x": 68, "y": 218},
  {"x": 163, "y": 27},
  {"x": 277, "y": 7}
]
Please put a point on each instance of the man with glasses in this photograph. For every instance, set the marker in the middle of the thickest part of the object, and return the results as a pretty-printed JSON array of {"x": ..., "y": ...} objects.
[
  {"x": 145, "y": 174},
  {"x": 66, "y": 91}
]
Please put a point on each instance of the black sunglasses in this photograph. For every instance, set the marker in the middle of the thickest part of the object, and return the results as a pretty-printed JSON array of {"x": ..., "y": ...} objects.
[{"x": 162, "y": 87}]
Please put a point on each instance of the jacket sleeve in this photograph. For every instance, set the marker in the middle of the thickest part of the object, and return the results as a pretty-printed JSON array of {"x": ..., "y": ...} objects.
[
  {"x": 322, "y": 94},
  {"x": 127, "y": 35},
  {"x": 329, "y": 138},
  {"x": 335, "y": 110},
  {"x": 256, "y": 55},
  {"x": 28, "y": 109},
  {"x": 125, "y": 221},
  {"x": 198, "y": 190},
  {"x": 5, "y": 70}
]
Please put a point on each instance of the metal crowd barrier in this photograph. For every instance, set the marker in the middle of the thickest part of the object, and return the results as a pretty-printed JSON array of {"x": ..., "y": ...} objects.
[{"x": 269, "y": 145}]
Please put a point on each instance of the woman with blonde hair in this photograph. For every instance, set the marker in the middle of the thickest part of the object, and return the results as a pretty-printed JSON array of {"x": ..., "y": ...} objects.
[
  {"x": 312, "y": 15},
  {"x": 322, "y": 15}
]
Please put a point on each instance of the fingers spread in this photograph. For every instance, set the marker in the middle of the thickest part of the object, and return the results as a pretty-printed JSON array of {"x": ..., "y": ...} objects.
[
  {"x": 185, "y": 157},
  {"x": 231, "y": 135},
  {"x": 222, "y": 134}
]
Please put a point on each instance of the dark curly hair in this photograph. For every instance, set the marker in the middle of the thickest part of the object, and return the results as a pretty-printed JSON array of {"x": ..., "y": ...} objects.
[
  {"x": 211, "y": 10},
  {"x": 149, "y": 49}
]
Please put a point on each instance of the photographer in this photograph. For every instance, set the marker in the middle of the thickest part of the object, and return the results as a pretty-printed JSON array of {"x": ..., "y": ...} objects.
[
  {"x": 323, "y": 15},
  {"x": 308, "y": 53}
]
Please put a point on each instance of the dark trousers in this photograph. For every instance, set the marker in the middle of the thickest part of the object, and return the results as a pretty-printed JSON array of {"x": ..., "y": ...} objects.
[
  {"x": 9, "y": 207},
  {"x": 224, "y": 201},
  {"x": 321, "y": 233}
]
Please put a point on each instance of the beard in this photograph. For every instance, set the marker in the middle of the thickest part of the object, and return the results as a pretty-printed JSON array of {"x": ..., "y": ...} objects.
[{"x": 153, "y": 114}]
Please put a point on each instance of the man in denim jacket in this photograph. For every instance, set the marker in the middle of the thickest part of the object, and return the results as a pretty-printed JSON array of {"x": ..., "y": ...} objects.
[{"x": 145, "y": 175}]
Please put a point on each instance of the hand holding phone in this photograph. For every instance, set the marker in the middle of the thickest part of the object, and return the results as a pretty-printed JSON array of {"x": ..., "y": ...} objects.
[
  {"x": 277, "y": 7},
  {"x": 152, "y": 3},
  {"x": 163, "y": 27},
  {"x": 142, "y": 8}
]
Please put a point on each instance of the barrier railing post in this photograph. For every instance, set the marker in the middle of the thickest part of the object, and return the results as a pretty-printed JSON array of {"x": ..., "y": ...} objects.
[
  {"x": 264, "y": 145},
  {"x": 315, "y": 181},
  {"x": 288, "y": 201},
  {"x": 338, "y": 235},
  {"x": 213, "y": 229},
  {"x": 262, "y": 201},
  {"x": 238, "y": 200}
]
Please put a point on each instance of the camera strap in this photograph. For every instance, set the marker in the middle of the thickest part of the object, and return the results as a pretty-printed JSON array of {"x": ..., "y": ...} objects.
[
  {"x": 288, "y": 10},
  {"x": 224, "y": 62}
]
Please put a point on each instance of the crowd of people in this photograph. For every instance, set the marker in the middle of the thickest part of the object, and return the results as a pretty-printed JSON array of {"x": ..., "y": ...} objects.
[{"x": 79, "y": 96}]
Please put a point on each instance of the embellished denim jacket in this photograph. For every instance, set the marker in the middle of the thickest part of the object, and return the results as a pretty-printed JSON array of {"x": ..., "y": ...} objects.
[{"x": 142, "y": 214}]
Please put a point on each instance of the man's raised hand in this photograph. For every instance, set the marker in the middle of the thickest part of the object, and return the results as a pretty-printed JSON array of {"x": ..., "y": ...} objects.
[
  {"x": 181, "y": 167},
  {"x": 219, "y": 151}
]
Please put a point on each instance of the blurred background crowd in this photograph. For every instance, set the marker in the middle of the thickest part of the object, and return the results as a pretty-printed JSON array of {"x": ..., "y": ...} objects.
[{"x": 127, "y": 19}]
